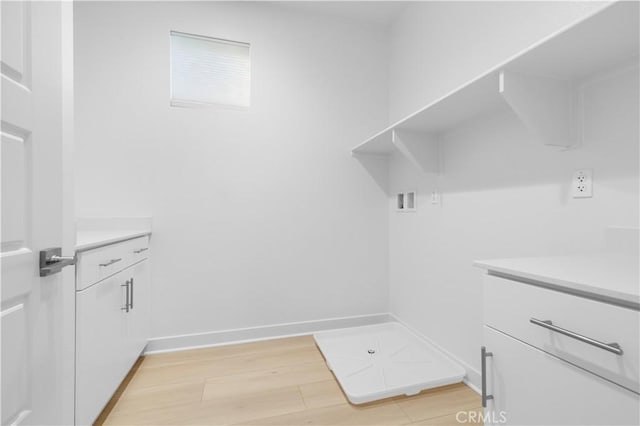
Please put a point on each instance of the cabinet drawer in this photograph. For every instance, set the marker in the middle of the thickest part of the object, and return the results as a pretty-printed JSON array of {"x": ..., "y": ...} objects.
[
  {"x": 510, "y": 305},
  {"x": 531, "y": 387},
  {"x": 138, "y": 249},
  {"x": 100, "y": 263}
]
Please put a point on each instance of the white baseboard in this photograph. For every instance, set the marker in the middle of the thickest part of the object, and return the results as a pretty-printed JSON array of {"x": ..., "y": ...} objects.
[
  {"x": 252, "y": 334},
  {"x": 472, "y": 379},
  {"x": 473, "y": 387}
]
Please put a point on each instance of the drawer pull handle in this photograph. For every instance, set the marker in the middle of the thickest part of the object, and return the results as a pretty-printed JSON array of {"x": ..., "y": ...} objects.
[
  {"x": 141, "y": 250},
  {"x": 484, "y": 354},
  {"x": 111, "y": 262},
  {"x": 610, "y": 347}
]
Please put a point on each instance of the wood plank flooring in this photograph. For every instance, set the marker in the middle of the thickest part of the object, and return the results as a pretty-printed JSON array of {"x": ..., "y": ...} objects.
[{"x": 276, "y": 382}]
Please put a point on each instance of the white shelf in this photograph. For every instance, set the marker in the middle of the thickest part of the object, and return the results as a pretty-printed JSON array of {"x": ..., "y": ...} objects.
[{"x": 539, "y": 84}]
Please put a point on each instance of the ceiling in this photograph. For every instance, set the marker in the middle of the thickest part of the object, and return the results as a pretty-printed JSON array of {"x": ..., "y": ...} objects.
[{"x": 373, "y": 12}]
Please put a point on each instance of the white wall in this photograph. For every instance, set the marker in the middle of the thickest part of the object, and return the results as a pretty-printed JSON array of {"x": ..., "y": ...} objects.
[
  {"x": 503, "y": 194},
  {"x": 260, "y": 217}
]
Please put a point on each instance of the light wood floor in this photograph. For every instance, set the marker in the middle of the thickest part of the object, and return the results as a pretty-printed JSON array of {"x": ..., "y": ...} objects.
[{"x": 276, "y": 382}]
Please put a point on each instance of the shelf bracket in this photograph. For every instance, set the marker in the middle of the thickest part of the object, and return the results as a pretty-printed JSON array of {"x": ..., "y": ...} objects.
[
  {"x": 377, "y": 166},
  {"x": 419, "y": 148},
  {"x": 544, "y": 105}
]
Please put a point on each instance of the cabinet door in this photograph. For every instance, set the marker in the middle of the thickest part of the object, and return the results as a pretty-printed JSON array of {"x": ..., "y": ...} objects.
[
  {"x": 101, "y": 329},
  {"x": 530, "y": 386},
  {"x": 139, "y": 313}
]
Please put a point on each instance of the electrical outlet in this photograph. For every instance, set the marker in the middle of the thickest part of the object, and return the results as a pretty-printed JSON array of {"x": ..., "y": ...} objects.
[{"x": 582, "y": 184}]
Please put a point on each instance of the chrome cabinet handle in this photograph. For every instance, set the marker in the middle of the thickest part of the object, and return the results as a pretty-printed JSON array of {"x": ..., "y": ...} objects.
[
  {"x": 131, "y": 301},
  {"x": 141, "y": 250},
  {"x": 484, "y": 354},
  {"x": 126, "y": 303},
  {"x": 610, "y": 347},
  {"x": 111, "y": 262}
]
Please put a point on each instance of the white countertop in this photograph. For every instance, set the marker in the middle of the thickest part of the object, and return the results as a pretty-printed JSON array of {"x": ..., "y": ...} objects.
[
  {"x": 86, "y": 240},
  {"x": 605, "y": 276}
]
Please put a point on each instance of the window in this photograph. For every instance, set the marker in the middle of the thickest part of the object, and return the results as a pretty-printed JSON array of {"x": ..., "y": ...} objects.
[{"x": 209, "y": 71}]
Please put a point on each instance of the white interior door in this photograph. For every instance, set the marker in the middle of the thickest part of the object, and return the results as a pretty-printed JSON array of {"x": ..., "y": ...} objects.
[{"x": 37, "y": 314}]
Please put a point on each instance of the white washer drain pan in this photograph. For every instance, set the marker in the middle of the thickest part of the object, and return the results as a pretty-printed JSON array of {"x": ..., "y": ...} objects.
[{"x": 384, "y": 360}]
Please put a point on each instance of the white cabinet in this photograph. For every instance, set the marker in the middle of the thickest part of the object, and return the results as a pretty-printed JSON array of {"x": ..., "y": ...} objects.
[
  {"x": 111, "y": 322},
  {"x": 101, "y": 333},
  {"x": 557, "y": 358},
  {"x": 510, "y": 306},
  {"x": 531, "y": 387},
  {"x": 138, "y": 323}
]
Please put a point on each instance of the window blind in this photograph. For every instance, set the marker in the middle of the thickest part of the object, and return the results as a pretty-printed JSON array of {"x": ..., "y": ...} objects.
[{"x": 209, "y": 71}]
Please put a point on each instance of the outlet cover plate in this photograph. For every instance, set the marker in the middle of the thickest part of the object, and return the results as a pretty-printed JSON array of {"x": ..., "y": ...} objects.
[
  {"x": 435, "y": 197},
  {"x": 582, "y": 184}
]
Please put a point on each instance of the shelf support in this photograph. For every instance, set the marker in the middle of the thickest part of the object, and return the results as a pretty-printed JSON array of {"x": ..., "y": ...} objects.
[
  {"x": 544, "y": 105},
  {"x": 419, "y": 148},
  {"x": 377, "y": 166}
]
